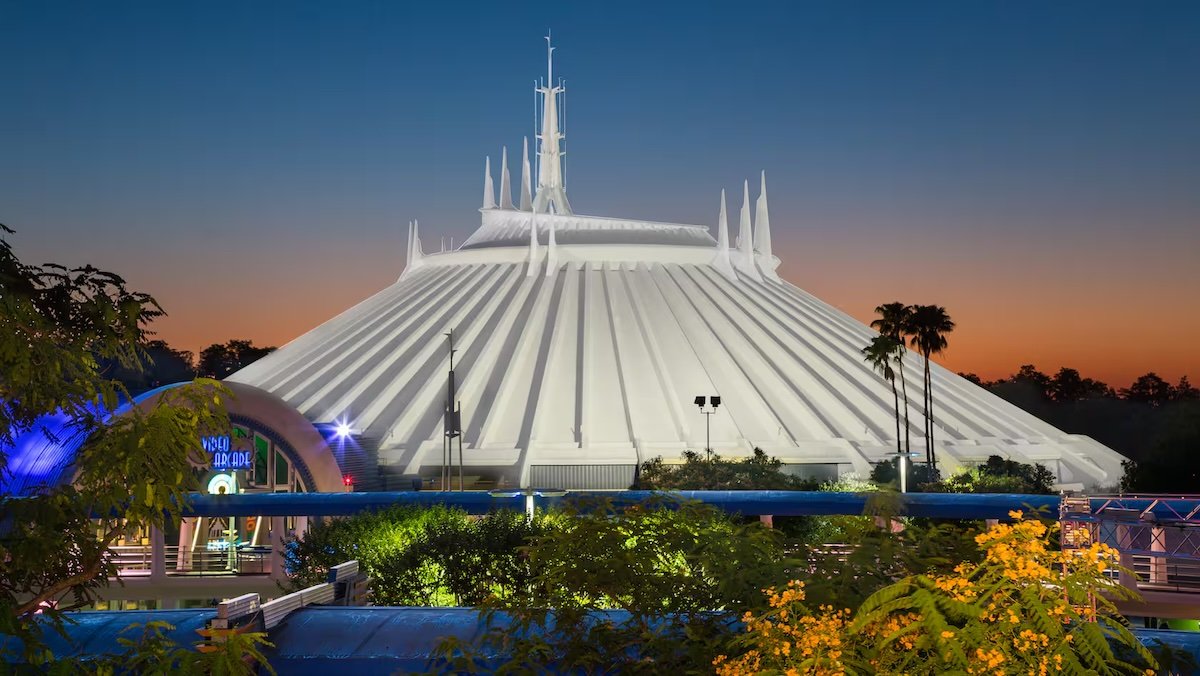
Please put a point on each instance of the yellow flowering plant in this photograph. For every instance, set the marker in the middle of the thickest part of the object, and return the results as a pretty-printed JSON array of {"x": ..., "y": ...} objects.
[{"x": 1028, "y": 607}]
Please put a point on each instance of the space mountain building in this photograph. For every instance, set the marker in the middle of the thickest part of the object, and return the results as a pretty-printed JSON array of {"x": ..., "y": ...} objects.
[{"x": 581, "y": 343}]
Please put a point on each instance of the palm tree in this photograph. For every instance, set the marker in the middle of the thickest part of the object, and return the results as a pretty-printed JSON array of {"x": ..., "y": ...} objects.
[
  {"x": 927, "y": 329},
  {"x": 893, "y": 321},
  {"x": 880, "y": 354}
]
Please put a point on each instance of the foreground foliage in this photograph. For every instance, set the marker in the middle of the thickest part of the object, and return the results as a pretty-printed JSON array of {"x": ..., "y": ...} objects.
[
  {"x": 996, "y": 475},
  {"x": 147, "y": 650},
  {"x": 879, "y": 550},
  {"x": 1026, "y": 607},
  {"x": 758, "y": 472},
  {"x": 663, "y": 578},
  {"x": 133, "y": 472},
  {"x": 418, "y": 556}
]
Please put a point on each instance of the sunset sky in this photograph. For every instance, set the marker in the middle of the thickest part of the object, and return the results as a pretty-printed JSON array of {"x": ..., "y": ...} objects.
[{"x": 1032, "y": 166}]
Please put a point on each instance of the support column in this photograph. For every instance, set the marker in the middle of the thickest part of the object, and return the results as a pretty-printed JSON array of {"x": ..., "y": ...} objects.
[
  {"x": 158, "y": 555},
  {"x": 1127, "y": 577},
  {"x": 278, "y": 570},
  {"x": 1158, "y": 564}
]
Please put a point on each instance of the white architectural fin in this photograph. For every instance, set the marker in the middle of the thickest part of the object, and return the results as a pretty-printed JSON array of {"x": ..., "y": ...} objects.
[
  {"x": 408, "y": 249},
  {"x": 526, "y": 195},
  {"x": 745, "y": 244},
  {"x": 412, "y": 255},
  {"x": 489, "y": 191},
  {"x": 533, "y": 243},
  {"x": 721, "y": 261},
  {"x": 762, "y": 225},
  {"x": 762, "y": 234},
  {"x": 551, "y": 251},
  {"x": 505, "y": 181}
]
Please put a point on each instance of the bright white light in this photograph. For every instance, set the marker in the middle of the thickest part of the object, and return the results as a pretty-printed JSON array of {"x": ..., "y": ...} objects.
[
  {"x": 222, "y": 484},
  {"x": 342, "y": 430}
]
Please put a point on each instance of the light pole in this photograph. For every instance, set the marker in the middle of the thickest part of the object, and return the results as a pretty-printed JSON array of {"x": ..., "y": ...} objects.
[
  {"x": 714, "y": 401},
  {"x": 530, "y": 493},
  {"x": 902, "y": 467}
]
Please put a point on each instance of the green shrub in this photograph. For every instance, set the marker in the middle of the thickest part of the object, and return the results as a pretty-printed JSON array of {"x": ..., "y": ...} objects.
[
  {"x": 427, "y": 556},
  {"x": 758, "y": 472},
  {"x": 659, "y": 567},
  {"x": 997, "y": 475}
]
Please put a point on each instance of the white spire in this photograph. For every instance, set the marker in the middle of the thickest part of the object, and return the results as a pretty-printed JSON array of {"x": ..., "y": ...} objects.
[
  {"x": 412, "y": 255},
  {"x": 408, "y": 250},
  {"x": 721, "y": 261},
  {"x": 505, "y": 182},
  {"x": 762, "y": 223},
  {"x": 526, "y": 195},
  {"x": 533, "y": 243},
  {"x": 745, "y": 243},
  {"x": 551, "y": 194},
  {"x": 489, "y": 190},
  {"x": 762, "y": 233}
]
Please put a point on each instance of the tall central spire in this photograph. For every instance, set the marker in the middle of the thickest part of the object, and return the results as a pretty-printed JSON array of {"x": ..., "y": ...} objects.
[{"x": 551, "y": 196}]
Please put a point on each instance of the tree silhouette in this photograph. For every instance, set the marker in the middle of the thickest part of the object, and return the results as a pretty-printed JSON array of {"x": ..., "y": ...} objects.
[
  {"x": 927, "y": 328},
  {"x": 893, "y": 318},
  {"x": 219, "y": 361},
  {"x": 1068, "y": 385},
  {"x": 880, "y": 354},
  {"x": 1184, "y": 391},
  {"x": 1029, "y": 374},
  {"x": 1150, "y": 389}
]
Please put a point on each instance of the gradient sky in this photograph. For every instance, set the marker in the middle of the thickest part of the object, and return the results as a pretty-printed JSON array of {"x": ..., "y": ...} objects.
[{"x": 1032, "y": 166}]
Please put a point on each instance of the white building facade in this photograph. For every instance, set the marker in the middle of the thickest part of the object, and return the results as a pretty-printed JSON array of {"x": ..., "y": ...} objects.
[{"x": 582, "y": 341}]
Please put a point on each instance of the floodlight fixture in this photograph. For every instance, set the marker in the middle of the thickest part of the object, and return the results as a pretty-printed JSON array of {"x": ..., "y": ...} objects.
[{"x": 714, "y": 401}]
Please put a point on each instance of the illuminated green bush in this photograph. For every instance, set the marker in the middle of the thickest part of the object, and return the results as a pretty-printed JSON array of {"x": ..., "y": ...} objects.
[{"x": 423, "y": 556}]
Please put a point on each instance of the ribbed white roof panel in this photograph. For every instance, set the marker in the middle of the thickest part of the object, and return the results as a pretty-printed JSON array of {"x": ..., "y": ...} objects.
[{"x": 598, "y": 363}]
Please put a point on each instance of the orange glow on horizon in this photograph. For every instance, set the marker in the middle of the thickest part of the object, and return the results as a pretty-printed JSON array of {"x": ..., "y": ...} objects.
[{"x": 1106, "y": 327}]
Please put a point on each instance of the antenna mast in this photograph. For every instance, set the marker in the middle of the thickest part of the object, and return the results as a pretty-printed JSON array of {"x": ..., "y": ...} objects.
[
  {"x": 551, "y": 196},
  {"x": 452, "y": 427}
]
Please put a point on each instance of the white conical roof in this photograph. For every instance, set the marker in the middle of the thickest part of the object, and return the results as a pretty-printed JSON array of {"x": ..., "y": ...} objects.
[
  {"x": 578, "y": 360},
  {"x": 598, "y": 364}
]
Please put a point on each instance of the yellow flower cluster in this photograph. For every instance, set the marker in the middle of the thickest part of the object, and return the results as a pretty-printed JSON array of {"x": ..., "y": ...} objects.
[
  {"x": 789, "y": 633},
  {"x": 988, "y": 661},
  {"x": 996, "y": 627}
]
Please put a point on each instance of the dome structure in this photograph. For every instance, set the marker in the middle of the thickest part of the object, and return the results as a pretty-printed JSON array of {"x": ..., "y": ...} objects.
[{"x": 581, "y": 343}]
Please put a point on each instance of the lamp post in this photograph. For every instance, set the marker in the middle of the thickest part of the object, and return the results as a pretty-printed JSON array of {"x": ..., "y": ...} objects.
[
  {"x": 902, "y": 467},
  {"x": 530, "y": 493},
  {"x": 714, "y": 401}
]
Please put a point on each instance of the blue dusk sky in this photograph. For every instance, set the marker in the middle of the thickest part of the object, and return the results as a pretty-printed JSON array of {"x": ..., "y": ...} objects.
[{"x": 1033, "y": 166}]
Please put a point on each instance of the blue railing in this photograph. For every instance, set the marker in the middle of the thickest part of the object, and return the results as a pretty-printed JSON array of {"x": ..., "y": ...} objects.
[{"x": 778, "y": 503}]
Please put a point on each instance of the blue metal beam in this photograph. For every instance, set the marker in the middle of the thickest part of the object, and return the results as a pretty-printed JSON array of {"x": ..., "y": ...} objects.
[{"x": 779, "y": 503}]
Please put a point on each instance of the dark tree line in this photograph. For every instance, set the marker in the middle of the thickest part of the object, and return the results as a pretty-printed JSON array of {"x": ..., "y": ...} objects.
[
  {"x": 1152, "y": 422},
  {"x": 160, "y": 364}
]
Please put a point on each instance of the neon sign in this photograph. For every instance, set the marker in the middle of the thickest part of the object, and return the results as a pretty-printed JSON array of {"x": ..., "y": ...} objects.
[{"x": 224, "y": 456}]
